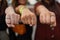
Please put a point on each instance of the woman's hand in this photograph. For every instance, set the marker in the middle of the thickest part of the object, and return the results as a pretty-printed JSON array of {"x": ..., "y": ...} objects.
[
  {"x": 11, "y": 17},
  {"x": 27, "y": 17},
  {"x": 45, "y": 16}
]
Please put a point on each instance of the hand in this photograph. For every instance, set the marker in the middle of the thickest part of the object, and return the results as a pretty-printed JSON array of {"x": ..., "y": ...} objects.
[
  {"x": 12, "y": 19},
  {"x": 28, "y": 17},
  {"x": 53, "y": 19},
  {"x": 45, "y": 17},
  {"x": 48, "y": 18}
]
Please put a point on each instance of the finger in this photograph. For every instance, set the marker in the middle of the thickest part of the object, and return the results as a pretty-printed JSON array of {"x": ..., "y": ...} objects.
[
  {"x": 8, "y": 21},
  {"x": 12, "y": 19},
  {"x": 26, "y": 19},
  {"x": 17, "y": 19},
  {"x": 33, "y": 20},
  {"x": 23, "y": 19},
  {"x": 44, "y": 18},
  {"x": 48, "y": 18},
  {"x": 41, "y": 18},
  {"x": 55, "y": 24},
  {"x": 53, "y": 19},
  {"x": 12, "y": 25},
  {"x": 29, "y": 20},
  {"x": 9, "y": 25}
]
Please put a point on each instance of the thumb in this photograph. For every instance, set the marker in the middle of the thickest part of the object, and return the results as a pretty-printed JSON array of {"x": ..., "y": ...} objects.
[{"x": 12, "y": 25}]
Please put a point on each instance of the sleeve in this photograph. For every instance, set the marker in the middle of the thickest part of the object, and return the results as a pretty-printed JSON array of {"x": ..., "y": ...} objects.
[
  {"x": 36, "y": 5},
  {"x": 58, "y": 4}
]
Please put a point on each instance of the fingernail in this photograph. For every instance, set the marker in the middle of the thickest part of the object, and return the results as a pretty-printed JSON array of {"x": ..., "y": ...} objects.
[
  {"x": 13, "y": 25},
  {"x": 30, "y": 24}
]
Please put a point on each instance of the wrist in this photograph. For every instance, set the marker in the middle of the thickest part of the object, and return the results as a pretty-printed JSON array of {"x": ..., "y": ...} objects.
[
  {"x": 21, "y": 9},
  {"x": 39, "y": 9},
  {"x": 9, "y": 10}
]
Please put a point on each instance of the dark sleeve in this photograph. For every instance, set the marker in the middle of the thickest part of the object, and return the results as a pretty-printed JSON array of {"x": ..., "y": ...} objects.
[
  {"x": 36, "y": 5},
  {"x": 58, "y": 4}
]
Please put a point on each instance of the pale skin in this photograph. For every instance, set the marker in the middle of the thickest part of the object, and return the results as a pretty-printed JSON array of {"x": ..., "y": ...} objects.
[
  {"x": 46, "y": 17},
  {"x": 28, "y": 17},
  {"x": 11, "y": 17}
]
